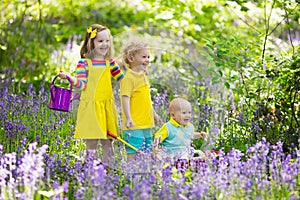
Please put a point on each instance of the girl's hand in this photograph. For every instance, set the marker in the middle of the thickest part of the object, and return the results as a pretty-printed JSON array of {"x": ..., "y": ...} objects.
[{"x": 63, "y": 75}]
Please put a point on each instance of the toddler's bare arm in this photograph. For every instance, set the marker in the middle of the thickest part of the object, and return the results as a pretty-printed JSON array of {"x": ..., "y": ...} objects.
[{"x": 197, "y": 135}]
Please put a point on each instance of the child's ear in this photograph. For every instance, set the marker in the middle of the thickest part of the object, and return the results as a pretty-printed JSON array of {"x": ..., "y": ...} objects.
[
  {"x": 172, "y": 114},
  {"x": 130, "y": 58}
]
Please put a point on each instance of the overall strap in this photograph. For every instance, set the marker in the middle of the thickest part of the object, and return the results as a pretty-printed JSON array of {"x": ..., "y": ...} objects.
[
  {"x": 89, "y": 62},
  {"x": 107, "y": 63}
]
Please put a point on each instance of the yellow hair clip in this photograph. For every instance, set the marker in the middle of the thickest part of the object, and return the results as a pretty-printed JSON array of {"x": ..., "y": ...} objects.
[{"x": 93, "y": 32}]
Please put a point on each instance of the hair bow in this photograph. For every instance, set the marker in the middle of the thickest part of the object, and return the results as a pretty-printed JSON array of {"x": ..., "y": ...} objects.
[{"x": 92, "y": 32}]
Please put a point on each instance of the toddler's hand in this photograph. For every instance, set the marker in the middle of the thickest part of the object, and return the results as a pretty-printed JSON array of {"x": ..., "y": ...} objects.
[
  {"x": 157, "y": 119},
  {"x": 157, "y": 152},
  {"x": 156, "y": 142},
  {"x": 198, "y": 135},
  {"x": 201, "y": 155},
  {"x": 129, "y": 123},
  {"x": 203, "y": 134}
]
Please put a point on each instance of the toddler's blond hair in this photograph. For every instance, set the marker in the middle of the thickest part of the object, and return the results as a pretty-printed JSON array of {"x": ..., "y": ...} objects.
[{"x": 129, "y": 50}]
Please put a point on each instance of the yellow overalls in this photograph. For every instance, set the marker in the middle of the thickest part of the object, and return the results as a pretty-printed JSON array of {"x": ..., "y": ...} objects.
[{"x": 97, "y": 112}]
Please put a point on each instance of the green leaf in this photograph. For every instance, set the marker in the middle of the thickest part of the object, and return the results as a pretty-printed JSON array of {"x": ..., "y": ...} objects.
[
  {"x": 220, "y": 72},
  {"x": 227, "y": 85}
]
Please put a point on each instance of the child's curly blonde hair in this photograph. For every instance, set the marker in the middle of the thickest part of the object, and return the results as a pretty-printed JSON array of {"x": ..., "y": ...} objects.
[{"x": 129, "y": 50}]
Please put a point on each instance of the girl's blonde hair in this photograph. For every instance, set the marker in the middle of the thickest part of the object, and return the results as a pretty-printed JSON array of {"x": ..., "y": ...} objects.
[
  {"x": 88, "y": 46},
  {"x": 129, "y": 50}
]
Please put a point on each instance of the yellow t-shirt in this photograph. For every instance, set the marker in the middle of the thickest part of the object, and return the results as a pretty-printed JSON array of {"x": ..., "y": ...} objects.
[
  {"x": 163, "y": 132},
  {"x": 137, "y": 87}
]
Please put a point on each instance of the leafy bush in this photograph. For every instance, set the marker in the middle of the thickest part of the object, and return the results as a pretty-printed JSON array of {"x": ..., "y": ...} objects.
[{"x": 237, "y": 62}]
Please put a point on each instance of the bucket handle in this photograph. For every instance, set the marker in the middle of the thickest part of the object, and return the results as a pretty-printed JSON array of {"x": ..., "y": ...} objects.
[{"x": 52, "y": 85}]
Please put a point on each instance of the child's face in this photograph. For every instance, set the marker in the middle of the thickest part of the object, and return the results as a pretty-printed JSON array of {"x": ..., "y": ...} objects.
[
  {"x": 140, "y": 60},
  {"x": 183, "y": 115},
  {"x": 102, "y": 43}
]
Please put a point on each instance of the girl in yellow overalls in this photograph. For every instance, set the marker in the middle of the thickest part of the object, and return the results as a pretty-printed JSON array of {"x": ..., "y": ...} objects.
[{"x": 97, "y": 112}]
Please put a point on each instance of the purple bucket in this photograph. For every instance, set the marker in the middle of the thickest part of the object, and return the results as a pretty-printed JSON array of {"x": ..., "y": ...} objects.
[{"x": 60, "y": 97}]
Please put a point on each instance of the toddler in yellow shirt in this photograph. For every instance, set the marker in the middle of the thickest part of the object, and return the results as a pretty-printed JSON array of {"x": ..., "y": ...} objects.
[{"x": 138, "y": 115}]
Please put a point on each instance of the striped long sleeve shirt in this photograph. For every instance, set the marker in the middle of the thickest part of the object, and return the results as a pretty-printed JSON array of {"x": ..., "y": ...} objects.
[{"x": 83, "y": 69}]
